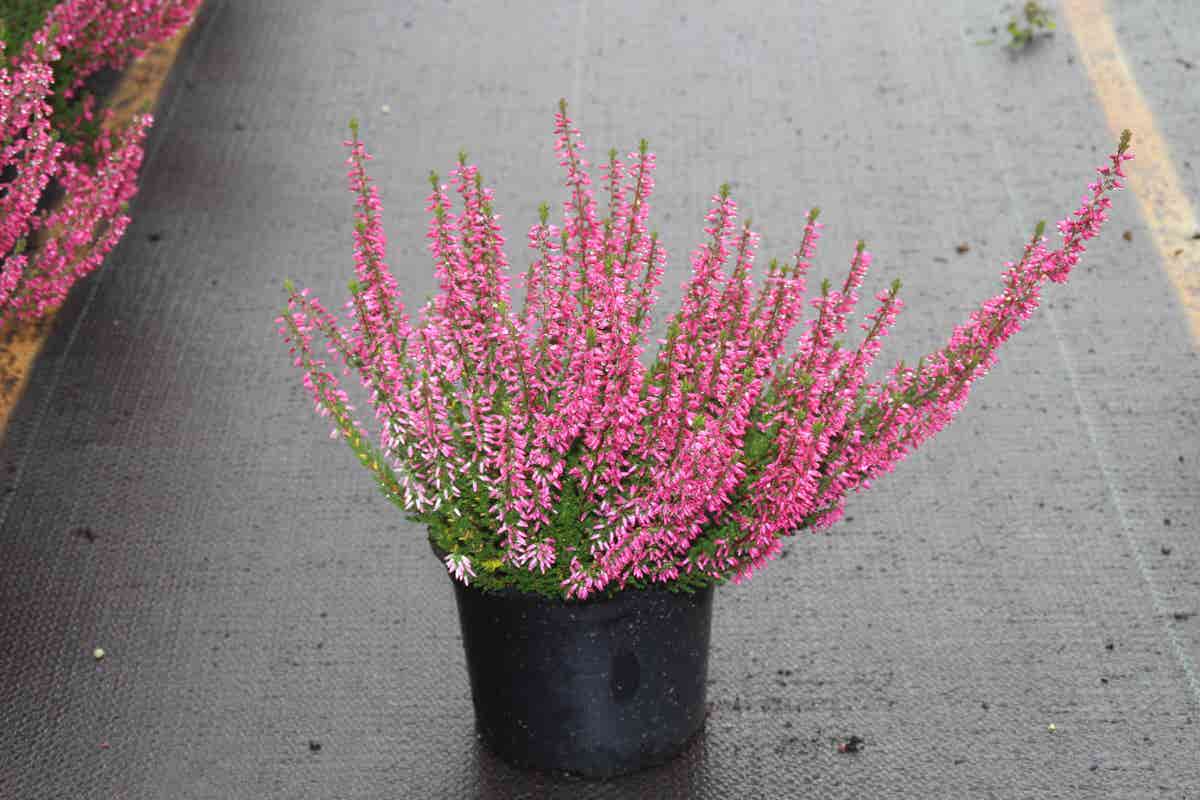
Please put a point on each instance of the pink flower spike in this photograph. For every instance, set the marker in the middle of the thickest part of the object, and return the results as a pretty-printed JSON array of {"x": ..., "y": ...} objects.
[{"x": 460, "y": 567}]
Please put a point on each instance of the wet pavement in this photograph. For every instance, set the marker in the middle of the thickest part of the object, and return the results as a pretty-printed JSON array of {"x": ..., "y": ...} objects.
[{"x": 272, "y": 628}]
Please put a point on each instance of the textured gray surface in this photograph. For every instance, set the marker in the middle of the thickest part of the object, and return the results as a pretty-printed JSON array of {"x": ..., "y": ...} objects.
[{"x": 1036, "y": 564}]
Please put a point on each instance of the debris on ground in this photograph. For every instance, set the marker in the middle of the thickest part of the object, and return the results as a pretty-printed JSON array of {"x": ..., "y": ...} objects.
[
  {"x": 1052, "y": 728},
  {"x": 1127, "y": 236},
  {"x": 314, "y": 746},
  {"x": 98, "y": 654},
  {"x": 852, "y": 745},
  {"x": 83, "y": 532},
  {"x": 963, "y": 248}
]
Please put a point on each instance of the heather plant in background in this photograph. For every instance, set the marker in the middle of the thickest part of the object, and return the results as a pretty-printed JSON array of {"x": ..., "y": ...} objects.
[
  {"x": 560, "y": 448},
  {"x": 50, "y": 130}
]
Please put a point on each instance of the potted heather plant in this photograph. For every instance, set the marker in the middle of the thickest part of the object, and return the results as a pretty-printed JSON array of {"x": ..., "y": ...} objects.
[{"x": 585, "y": 502}]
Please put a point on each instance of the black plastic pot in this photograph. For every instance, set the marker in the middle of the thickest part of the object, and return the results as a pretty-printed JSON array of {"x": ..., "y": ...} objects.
[{"x": 598, "y": 688}]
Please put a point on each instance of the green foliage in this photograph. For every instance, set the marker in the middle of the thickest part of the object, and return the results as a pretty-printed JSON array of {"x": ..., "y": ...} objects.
[
  {"x": 761, "y": 448},
  {"x": 19, "y": 19},
  {"x": 473, "y": 533}
]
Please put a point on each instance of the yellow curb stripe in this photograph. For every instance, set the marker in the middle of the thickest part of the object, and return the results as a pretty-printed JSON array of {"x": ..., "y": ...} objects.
[
  {"x": 1152, "y": 176},
  {"x": 137, "y": 92}
]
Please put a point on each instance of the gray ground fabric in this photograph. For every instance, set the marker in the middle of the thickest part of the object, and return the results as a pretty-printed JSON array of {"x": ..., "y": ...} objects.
[{"x": 168, "y": 494}]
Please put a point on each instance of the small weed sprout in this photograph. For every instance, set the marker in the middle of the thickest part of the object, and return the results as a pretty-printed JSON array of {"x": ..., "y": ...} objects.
[{"x": 1037, "y": 21}]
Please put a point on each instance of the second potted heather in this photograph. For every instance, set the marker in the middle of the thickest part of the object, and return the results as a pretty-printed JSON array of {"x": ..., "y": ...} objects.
[{"x": 587, "y": 484}]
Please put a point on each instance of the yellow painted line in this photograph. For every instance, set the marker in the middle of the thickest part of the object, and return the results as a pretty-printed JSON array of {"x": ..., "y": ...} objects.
[
  {"x": 136, "y": 92},
  {"x": 1152, "y": 176}
]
